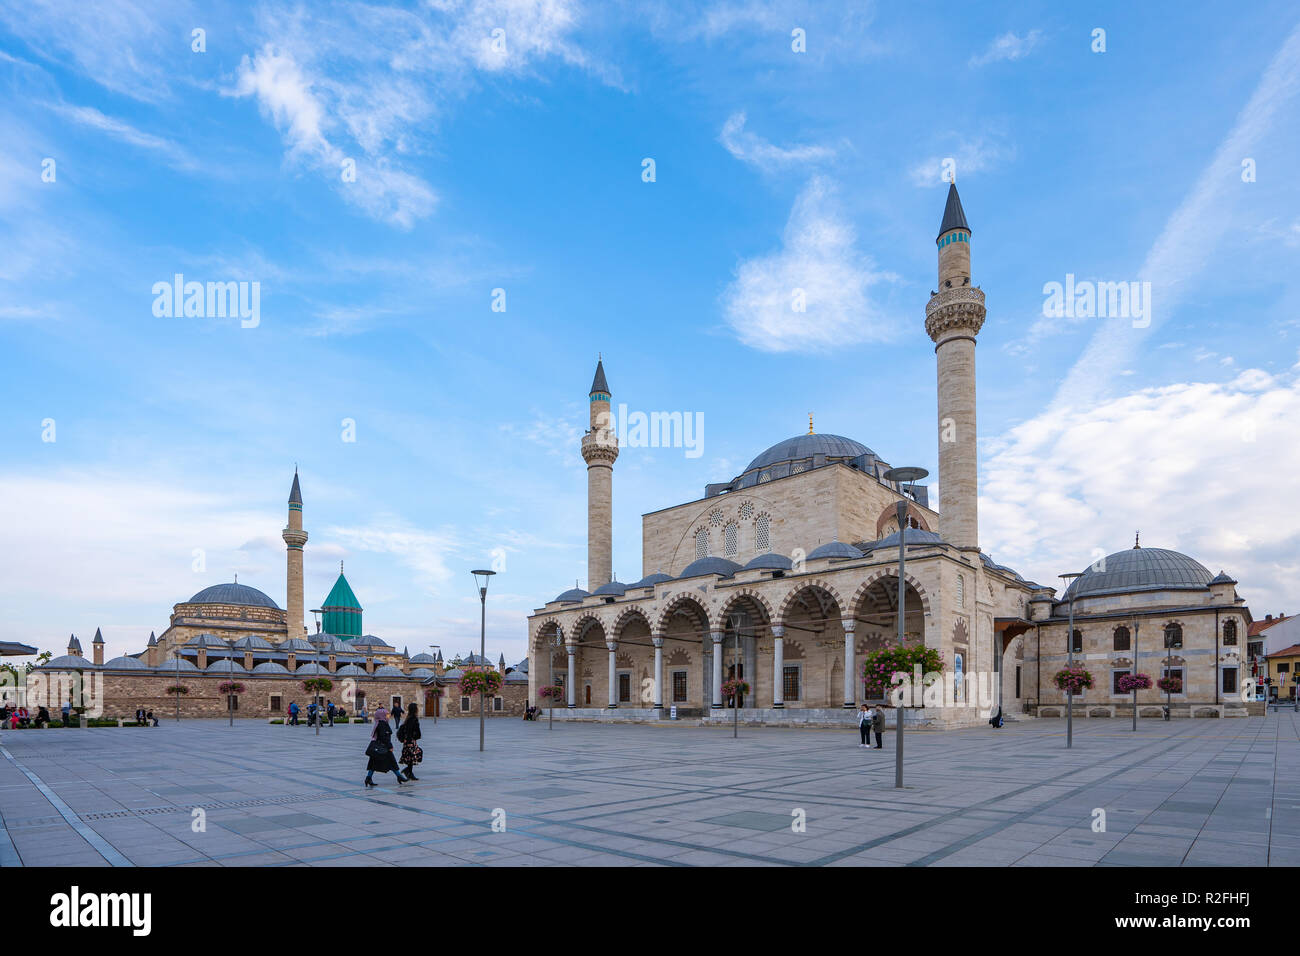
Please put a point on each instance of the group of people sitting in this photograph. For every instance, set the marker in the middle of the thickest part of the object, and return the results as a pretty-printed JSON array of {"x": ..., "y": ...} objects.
[
  {"x": 531, "y": 712},
  {"x": 17, "y": 717},
  {"x": 145, "y": 718}
]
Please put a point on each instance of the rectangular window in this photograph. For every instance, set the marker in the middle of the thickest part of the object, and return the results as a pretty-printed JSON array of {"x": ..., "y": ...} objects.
[
  {"x": 624, "y": 688},
  {"x": 1078, "y": 641},
  {"x": 1230, "y": 680},
  {"x": 497, "y": 703},
  {"x": 234, "y": 702},
  {"x": 790, "y": 683},
  {"x": 1283, "y": 668},
  {"x": 1017, "y": 682},
  {"x": 679, "y": 687},
  {"x": 464, "y": 705},
  {"x": 275, "y": 703},
  {"x": 1114, "y": 681},
  {"x": 1176, "y": 672}
]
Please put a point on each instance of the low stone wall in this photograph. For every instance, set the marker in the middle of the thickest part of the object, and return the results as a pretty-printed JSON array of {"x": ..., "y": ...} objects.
[
  {"x": 1104, "y": 711},
  {"x": 830, "y": 717}
]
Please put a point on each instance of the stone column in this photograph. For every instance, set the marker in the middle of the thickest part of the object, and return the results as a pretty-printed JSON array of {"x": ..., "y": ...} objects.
[
  {"x": 613, "y": 664},
  {"x": 572, "y": 682},
  {"x": 717, "y": 637},
  {"x": 778, "y": 666},
  {"x": 659, "y": 671},
  {"x": 850, "y": 678}
]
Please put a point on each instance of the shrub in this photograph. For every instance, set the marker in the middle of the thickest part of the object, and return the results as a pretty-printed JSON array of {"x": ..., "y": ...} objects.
[{"x": 1072, "y": 679}]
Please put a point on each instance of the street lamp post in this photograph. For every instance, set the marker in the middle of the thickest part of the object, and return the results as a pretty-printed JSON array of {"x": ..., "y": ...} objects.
[
  {"x": 1069, "y": 650},
  {"x": 735, "y": 678},
  {"x": 481, "y": 579},
  {"x": 437, "y": 689},
  {"x": 1170, "y": 643},
  {"x": 550, "y": 711},
  {"x": 1136, "y": 627},
  {"x": 176, "y": 652},
  {"x": 901, "y": 476}
]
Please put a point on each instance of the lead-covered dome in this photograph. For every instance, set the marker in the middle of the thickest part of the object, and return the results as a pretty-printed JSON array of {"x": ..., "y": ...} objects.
[
  {"x": 1140, "y": 569},
  {"x": 238, "y": 594},
  {"x": 808, "y": 446}
]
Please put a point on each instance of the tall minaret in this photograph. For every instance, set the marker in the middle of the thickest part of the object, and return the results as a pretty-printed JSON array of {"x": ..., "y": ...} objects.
[
  {"x": 294, "y": 539},
  {"x": 953, "y": 318},
  {"x": 599, "y": 450}
]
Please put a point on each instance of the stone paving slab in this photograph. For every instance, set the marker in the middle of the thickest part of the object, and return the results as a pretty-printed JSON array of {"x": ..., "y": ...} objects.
[{"x": 1209, "y": 793}]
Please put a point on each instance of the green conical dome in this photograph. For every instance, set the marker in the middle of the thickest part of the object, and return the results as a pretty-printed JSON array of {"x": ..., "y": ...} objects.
[{"x": 342, "y": 610}]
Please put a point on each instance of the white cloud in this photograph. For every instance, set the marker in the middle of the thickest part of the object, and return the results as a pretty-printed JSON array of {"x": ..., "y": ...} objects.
[
  {"x": 753, "y": 149},
  {"x": 1203, "y": 468},
  {"x": 1008, "y": 46},
  {"x": 974, "y": 156},
  {"x": 819, "y": 261},
  {"x": 424, "y": 552},
  {"x": 171, "y": 152}
]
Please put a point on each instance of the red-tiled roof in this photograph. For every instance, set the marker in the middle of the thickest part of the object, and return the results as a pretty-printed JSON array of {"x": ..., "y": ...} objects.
[
  {"x": 1258, "y": 627},
  {"x": 1292, "y": 651}
]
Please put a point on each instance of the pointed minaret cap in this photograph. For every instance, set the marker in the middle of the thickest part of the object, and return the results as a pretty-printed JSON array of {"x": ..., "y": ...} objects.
[
  {"x": 954, "y": 217},
  {"x": 295, "y": 493},
  {"x": 99, "y": 638},
  {"x": 153, "y": 641},
  {"x": 74, "y": 645},
  {"x": 598, "y": 384}
]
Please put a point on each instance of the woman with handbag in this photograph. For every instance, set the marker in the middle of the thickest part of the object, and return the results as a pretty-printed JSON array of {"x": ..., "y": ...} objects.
[
  {"x": 380, "y": 753},
  {"x": 408, "y": 735}
]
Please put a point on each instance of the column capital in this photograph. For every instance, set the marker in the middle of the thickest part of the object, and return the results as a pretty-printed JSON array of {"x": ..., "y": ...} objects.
[
  {"x": 778, "y": 631},
  {"x": 571, "y": 647},
  {"x": 612, "y": 645},
  {"x": 657, "y": 640},
  {"x": 717, "y": 636},
  {"x": 848, "y": 624}
]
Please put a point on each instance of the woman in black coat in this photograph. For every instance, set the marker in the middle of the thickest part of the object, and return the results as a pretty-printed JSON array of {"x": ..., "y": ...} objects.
[
  {"x": 380, "y": 752},
  {"x": 408, "y": 735}
]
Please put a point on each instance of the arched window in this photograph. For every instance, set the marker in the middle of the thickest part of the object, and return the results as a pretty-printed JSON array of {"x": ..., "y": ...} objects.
[
  {"x": 1173, "y": 636},
  {"x": 1230, "y": 633},
  {"x": 731, "y": 539},
  {"x": 961, "y": 591},
  {"x": 701, "y": 543},
  {"x": 1123, "y": 640},
  {"x": 762, "y": 537},
  {"x": 1078, "y": 641}
]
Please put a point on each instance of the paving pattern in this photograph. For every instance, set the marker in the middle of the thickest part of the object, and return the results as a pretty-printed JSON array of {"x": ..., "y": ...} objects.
[{"x": 1194, "y": 792}]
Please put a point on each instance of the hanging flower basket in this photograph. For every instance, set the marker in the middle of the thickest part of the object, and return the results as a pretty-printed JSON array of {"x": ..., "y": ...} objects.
[
  {"x": 230, "y": 687},
  {"x": 314, "y": 684},
  {"x": 553, "y": 692},
  {"x": 178, "y": 689},
  {"x": 1072, "y": 680},
  {"x": 480, "y": 681},
  {"x": 1170, "y": 685},
  {"x": 879, "y": 668},
  {"x": 1131, "y": 682},
  {"x": 731, "y": 688}
]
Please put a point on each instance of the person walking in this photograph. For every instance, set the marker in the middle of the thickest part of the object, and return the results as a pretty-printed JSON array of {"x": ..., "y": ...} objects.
[
  {"x": 408, "y": 735},
  {"x": 865, "y": 715},
  {"x": 329, "y": 709},
  {"x": 878, "y": 723},
  {"x": 293, "y": 713},
  {"x": 380, "y": 751},
  {"x": 397, "y": 717},
  {"x": 67, "y": 712}
]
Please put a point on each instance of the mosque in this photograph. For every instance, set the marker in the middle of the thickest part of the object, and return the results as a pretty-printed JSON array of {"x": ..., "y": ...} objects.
[{"x": 786, "y": 577}]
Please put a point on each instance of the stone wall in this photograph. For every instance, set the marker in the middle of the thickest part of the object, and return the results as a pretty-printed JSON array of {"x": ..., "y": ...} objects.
[{"x": 514, "y": 698}]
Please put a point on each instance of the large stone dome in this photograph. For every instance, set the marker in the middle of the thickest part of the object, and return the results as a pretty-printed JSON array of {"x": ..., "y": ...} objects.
[
  {"x": 1140, "y": 569},
  {"x": 238, "y": 594},
  {"x": 806, "y": 446}
]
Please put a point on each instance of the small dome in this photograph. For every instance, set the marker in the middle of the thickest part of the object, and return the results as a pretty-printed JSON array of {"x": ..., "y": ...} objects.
[
  {"x": 424, "y": 659},
  {"x": 388, "y": 670},
  {"x": 369, "y": 640},
  {"x": 174, "y": 664},
  {"x": 225, "y": 667},
  {"x": 719, "y": 566},
  {"x": 125, "y": 663},
  {"x": 835, "y": 549},
  {"x": 297, "y": 644},
  {"x": 770, "y": 562},
  {"x": 1140, "y": 569},
  {"x": 350, "y": 670},
  {"x": 238, "y": 594},
  {"x": 913, "y": 536},
  {"x": 270, "y": 667},
  {"x": 615, "y": 588},
  {"x": 311, "y": 667},
  {"x": 650, "y": 580},
  {"x": 573, "y": 596},
  {"x": 1223, "y": 578},
  {"x": 253, "y": 643},
  {"x": 207, "y": 640},
  {"x": 67, "y": 662},
  {"x": 421, "y": 672}
]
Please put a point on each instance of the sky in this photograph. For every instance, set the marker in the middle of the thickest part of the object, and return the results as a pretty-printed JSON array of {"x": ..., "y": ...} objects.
[{"x": 448, "y": 209}]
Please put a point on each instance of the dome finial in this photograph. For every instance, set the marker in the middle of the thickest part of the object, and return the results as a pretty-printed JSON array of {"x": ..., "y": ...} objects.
[
  {"x": 1137, "y": 540},
  {"x": 810, "y": 423},
  {"x": 236, "y": 577},
  {"x": 340, "y": 567}
]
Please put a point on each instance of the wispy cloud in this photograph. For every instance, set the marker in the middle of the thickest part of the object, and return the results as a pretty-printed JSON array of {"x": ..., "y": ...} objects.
[
  {"x": 751, "y": 148},
  {"x": 172, "y": 153},
  {"x": 973, "y": 156},
  {"x": 813, "y": 293},
  {"x": 1008, "y": 46}
]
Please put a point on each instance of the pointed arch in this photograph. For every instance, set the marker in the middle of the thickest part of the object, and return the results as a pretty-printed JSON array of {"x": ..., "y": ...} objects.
[
  {"x": 817, "y": 584},
  {"x": 682, "y": 603},
  {"x": 872, "y": 579},
  {"x": 626, "y": 617},
  {"x": 755, "y": 597}
]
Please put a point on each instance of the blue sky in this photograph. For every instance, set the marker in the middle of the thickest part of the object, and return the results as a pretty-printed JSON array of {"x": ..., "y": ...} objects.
[{"x": 520, "y": 169}]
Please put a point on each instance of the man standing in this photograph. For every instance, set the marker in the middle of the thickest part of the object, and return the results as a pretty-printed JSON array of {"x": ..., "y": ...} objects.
[
  {"x": 878, "y": 723},
  {"x": 293, "y": 713},
  {"x": 329, "y": 710}
]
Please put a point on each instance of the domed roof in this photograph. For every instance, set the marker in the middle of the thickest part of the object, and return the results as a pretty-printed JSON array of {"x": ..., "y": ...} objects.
[
  {"x": 650, "y": 580},
  {"x": 388, "y": 670},
  {"x": 834, "y": 549},
  {"x": 296, "y": 644},
  {"x": 174, "y": 664},
  {"x": 615, "y": 588},
  {"x": 206, "y": 640},
  {"x": 805, "y": 446},
  {"x": 125, "y": 663},
  {"x": 369, "y": 640},
  {"x": 1140, "y": 569},
  {"x": 270, "y": 667},
  {"x": 914, "y": 537},
  {"x": 240, "y": 594},
  {"x": 424, "y": 659},
  {"x": 573, "y": 595},
  {"x": 350, "y": 670},
  {"x": 421, "y": 672},
  {"x": 225, "y": 666},
  {"x": 311, "y": 667},
  {"x": 253, "y": 643},
  {"x": 711, "y": 565},
  {"x": 67, "y": 662},
  {"x": 771, "y": 562}
]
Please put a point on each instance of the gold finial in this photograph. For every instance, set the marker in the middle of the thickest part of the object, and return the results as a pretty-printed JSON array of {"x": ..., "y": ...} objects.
[
  {"x": 1137, "y": 540},
  {"x": 810, "y": 427}
]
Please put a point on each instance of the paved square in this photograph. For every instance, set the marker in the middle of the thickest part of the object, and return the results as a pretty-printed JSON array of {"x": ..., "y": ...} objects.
[{"x": 1200, "y": 792}]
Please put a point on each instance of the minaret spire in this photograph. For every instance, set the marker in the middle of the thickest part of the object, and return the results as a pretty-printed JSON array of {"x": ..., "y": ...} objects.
[
  {"x": 599, "y": 451},
  {"x": 294, "y": 540},
  {"x": 953, "y": 318}
]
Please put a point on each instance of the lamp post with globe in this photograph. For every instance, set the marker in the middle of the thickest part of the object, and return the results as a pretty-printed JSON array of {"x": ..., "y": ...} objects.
[{"x": 906, "y": 475}]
